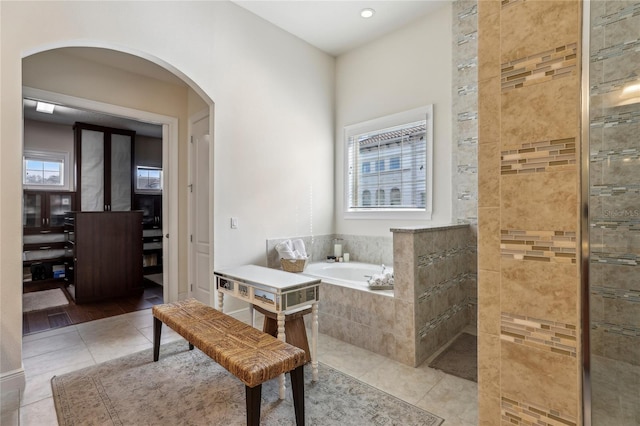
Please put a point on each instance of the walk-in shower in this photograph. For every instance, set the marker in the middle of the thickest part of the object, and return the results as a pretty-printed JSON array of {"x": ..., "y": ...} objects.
[{"x": 611, "y": 229}]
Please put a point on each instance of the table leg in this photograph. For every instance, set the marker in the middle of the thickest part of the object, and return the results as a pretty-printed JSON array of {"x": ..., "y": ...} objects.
[
  {"x": 220, "y": 301},
  {"x": 314, "y": 341},
  {"x": 283, "y": 337},
  {"x": 252, "y": 315}
]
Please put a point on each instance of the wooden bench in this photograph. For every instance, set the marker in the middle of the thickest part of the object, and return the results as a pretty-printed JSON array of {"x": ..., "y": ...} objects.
[{"x": 249, "y": 354}]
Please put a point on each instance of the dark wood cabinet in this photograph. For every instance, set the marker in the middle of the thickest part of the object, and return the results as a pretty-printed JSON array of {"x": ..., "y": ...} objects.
[
  {"x": 44, "y": 242},
  {"x": 43, "y": 212},
  {"x": 151, "y": 207},
  {"x": 107, "y": 255},
  {"x": 105, "y": 168}
]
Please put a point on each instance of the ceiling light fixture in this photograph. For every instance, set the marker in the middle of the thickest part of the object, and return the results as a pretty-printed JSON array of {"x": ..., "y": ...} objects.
[
  {"x": 367, "y": 13},
  {"x": 45, "y": 107}
]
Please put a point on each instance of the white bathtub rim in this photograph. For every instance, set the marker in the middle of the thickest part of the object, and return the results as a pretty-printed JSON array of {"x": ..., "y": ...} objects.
[{"x": 356, "y": 285}]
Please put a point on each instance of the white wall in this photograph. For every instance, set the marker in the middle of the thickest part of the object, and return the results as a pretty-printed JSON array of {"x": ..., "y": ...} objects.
[
  {"x": 407, "y": 69},
  {"x": 41, "y": 136},
  {"x": 273, "y": 134}
]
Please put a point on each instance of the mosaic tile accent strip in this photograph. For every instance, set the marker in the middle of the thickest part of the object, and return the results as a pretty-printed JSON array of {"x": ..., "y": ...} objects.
[
  {"x": 446, "y": 285},
  {"x": 472, "y": 63},
  {"x": 616, "y": 50},
  {"x": 627, "y": 259},
  {"x": 426, "y": 260},
  {"x": 622, "y": 14},
  {"x": 611, "y": 86},
  {"x": 557, "y": 337},
  {"x": 613, "y": 190},
  {"x": 537, "y": 157},
  {"x": 441, "y": 319},
  {"x": 539, "y": 68},
  {"x": 520, "y": 413},
  {"x": 623, "y": 330},
  {"x": 473, "y": 10},
  {"x": 466, "y": 38},
  {"x": 470, "y": 141},
  {"x": 619, "y": 220},
  {"x": 616, "y": 293},
  {"x": 468, "y": 89},
  {"x": 467, "y": 196},
  {"x": 467, "y": 116},
  {"x": 467, "y": 169},
  {"x": 616, "y": 155},
  {"x": 542, "y": 246},
  {"x": 616, "y": 119}
]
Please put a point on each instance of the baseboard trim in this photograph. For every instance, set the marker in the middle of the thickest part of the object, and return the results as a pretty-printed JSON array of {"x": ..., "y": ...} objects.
[{"x": 14, "y": 380}]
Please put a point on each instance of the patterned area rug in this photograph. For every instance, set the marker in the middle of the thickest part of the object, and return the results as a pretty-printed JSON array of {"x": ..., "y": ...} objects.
[
  {"x": 186, "y": 387},
  {"x": 460, "y": 359},
  {"x": 39, "y": 300}
]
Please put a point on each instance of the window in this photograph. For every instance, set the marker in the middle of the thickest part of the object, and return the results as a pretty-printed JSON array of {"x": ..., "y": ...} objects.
[
  {"x": 366, "y": 198},
  {"x": 396, "y": 197},
  {"x": 404, "y": 143},
  {"x": 394, "y": 163},
  {"x": 44, "y": 169},
  {"x": 148, "y": 179}
]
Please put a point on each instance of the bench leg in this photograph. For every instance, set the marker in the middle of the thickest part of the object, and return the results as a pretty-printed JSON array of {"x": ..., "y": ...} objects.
[
  {"x": 157, "y": 330},
  {"x": 253, "y": 396},
  {"x": 297, "y": 386}
]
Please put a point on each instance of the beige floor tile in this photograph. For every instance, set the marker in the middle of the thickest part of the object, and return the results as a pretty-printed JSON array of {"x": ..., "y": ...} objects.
[
  {"x": 51, "y": 343},
  {"x": 452, "y": 398},
  {"x": 41, "y": 413},
  {"x": 64, "y": 350}
]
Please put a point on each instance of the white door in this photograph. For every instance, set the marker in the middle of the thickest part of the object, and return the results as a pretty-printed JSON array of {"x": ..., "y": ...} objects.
[{"x": 200, "y": 275}]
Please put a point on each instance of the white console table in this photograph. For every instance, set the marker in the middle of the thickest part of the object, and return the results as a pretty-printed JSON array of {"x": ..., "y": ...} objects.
[{"x": 276, "y": 291}]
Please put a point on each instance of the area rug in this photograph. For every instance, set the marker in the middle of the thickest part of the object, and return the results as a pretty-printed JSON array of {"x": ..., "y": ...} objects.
[
  {"x": 187, "y": 387},
  {"x": 39, "y": 300},
  {"x": 460, "y": 358}
]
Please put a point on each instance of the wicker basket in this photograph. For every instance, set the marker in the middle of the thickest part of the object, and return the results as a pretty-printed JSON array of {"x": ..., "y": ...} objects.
[{"x": 293, "y": 265}]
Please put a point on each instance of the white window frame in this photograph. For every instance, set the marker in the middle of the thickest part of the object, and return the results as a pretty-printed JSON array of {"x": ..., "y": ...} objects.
[
  {"x": 51, "y": 156},
  {"x": 147, "y": 190},
  {"x": 417, "y": 114}
]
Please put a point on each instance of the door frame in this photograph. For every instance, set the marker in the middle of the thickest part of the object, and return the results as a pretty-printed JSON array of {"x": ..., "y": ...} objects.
[{"x": 169, "y": 170}]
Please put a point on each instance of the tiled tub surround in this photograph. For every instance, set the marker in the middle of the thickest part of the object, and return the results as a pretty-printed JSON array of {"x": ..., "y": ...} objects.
[
  {"x": 435, "y": 277},
  {"x": 433, "y": 300},
  {"x": 361, "y": 248}
]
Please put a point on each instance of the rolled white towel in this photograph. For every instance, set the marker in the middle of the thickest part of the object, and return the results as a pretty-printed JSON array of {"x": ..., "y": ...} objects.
[
  {"x": 285, "y": 250},
  {"x": 298, "y": 246}
]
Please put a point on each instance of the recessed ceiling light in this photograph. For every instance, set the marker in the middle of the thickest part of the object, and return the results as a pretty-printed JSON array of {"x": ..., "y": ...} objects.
[
  {"x": 367, "y": 13},
  {"x": 45, "y": 107}
]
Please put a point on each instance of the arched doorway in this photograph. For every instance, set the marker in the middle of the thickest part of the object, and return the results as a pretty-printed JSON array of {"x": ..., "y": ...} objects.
[{"x": 117, "y": 84}]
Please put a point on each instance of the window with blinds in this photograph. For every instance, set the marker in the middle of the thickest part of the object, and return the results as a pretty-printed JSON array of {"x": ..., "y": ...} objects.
[{"x": 389, "y": 164}]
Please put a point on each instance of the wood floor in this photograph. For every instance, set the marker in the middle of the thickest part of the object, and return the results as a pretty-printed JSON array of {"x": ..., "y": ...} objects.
[{"x": 62, "y": 316}]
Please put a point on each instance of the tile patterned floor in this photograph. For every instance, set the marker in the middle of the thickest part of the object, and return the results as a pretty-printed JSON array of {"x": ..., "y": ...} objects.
[{"x": 70, "y": 348}]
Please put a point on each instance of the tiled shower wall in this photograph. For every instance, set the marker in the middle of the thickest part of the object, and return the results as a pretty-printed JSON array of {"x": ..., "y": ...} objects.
[
  {"x": 361, "y": 248},
  {"x": 465, "y": 131},
  {"x": 528, "y": 211},
  {"x": 465, "y": 111},
  {"x": 435, "y": 270},
  {"x": 615, "y": 181}
]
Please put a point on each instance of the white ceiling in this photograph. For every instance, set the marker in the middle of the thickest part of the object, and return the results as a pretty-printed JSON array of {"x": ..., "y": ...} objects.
[{"x": 335, "y": 26}]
